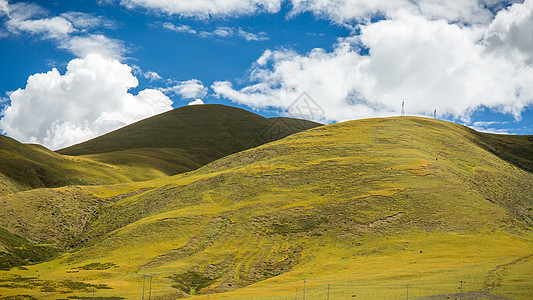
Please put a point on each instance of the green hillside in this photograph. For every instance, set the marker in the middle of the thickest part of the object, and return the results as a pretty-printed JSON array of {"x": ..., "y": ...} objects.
[
  {"x": 359, "y": 209},
  {"x": 178, "y": 141},
  {"x": 26, "y": 166},
  {"x": 185, "y": 139}
]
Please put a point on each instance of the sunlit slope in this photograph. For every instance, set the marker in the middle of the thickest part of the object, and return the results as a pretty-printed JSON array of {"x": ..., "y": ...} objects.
[
  {"x": 185, "y": 138},
  {"x": 26, "y": 166},
  {"x": 366, "y": 206}
]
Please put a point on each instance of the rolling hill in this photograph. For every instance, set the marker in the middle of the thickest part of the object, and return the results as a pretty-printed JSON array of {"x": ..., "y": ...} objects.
[
  {"x": 27, "y": 166},
  {"x": 185, "y": 139},
  {"x": 365, "y": 209},
  {"x": 177, "y": 141}
]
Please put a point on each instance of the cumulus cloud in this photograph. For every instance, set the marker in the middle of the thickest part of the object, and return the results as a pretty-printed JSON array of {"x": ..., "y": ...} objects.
[
  {"x": 431, "y": 63},
  {"x": 189, "y": 89},
  {"x": 196, "y": 102},
  {"x": 342, "y": 11},
  {"x": 206, "y": 8},
  {"x": 90, "y": 99},
  {"x": 511, "y": 32}
]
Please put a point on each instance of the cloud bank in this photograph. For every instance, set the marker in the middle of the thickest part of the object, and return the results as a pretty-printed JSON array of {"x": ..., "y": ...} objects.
[
  {"x": 339, "y": 11},
  {"x": 412, "y": 54},
  {"x": 206, "y": 8},
  {"x": 451, "y": 56},
  {"x": 90, "y": 99}
]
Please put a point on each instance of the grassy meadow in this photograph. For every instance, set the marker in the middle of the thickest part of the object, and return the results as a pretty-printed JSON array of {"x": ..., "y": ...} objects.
[{"x": 374, "y": 209}]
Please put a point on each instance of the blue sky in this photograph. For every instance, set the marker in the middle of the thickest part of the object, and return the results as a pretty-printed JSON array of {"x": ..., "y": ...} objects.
[{"x": 472, "y": 61}]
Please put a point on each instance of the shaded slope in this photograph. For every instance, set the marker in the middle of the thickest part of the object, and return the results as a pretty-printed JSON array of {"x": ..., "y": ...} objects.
[
  {"x": 376, "y": 202},
  {"x": 26, "y": 166},
  {"x": 17, "y": 251},
  {"x": 186, "y": 138},
  {"x": 517, "y": 150}
]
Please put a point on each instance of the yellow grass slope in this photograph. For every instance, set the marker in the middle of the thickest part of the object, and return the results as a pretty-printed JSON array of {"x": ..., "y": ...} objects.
[{"x": 365, "y": 207}]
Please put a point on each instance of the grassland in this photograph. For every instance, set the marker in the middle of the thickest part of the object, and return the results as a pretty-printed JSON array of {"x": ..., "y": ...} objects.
[
  {"x": 367, "y": 207},
  {"x": 174, "y": 142}
]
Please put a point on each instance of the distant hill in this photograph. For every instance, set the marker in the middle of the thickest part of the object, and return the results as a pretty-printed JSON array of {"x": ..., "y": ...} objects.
[
  {"x": 177, "y": 141},
  {"x": 27, "y": 166},
  {"x": 185, "y": 139},
  {"x": 365, "y": 207}
]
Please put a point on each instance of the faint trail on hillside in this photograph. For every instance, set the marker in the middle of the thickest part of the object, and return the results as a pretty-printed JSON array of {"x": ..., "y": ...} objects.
[
  {"x": 386, "y": 220},
  {"x": 494, "y": 275}
]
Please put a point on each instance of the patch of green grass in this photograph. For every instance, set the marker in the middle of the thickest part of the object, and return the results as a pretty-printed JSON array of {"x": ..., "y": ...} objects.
[
  {"x": 97, "y": 266},
  {"x": 191, "y": 282},
  {"x": 18, "y": 251}
]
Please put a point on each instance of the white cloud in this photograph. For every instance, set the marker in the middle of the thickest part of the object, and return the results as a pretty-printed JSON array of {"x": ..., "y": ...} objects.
[
  {"x": 511, "y": 32},
  {"x": 82, "y": 46},
  {"x": 4, "y": 8},
  {"x": 206, "y": 8},
  {"x": 56, "y": 27},
  {"x": 87, "y": 21},
  {"x": 338, "y": 11},
  {"x": 189, "y": 89},
  {"x": 22, "y": 18},
  {"x": 342, "y": 11},
  {"x": 250, "y": 36},
  {"x": 196, "y": 102},
  {"x": 488, "y": 127},
  {"x": 430, "y": 63},
  {"x": 179, "y": 28},
  {"x": 219, "y": 32},
  {"x": 152, "y": 76},
  {"x": 69, "y": 30},
  {"x": 90, "y": 99}
]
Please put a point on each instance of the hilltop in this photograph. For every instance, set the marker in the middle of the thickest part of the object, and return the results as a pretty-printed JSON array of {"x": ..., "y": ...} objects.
[
  {"x": 365, "y": 206},
  {"x": 177, "y": 141},
  {"x": 185, "y": 139}
]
